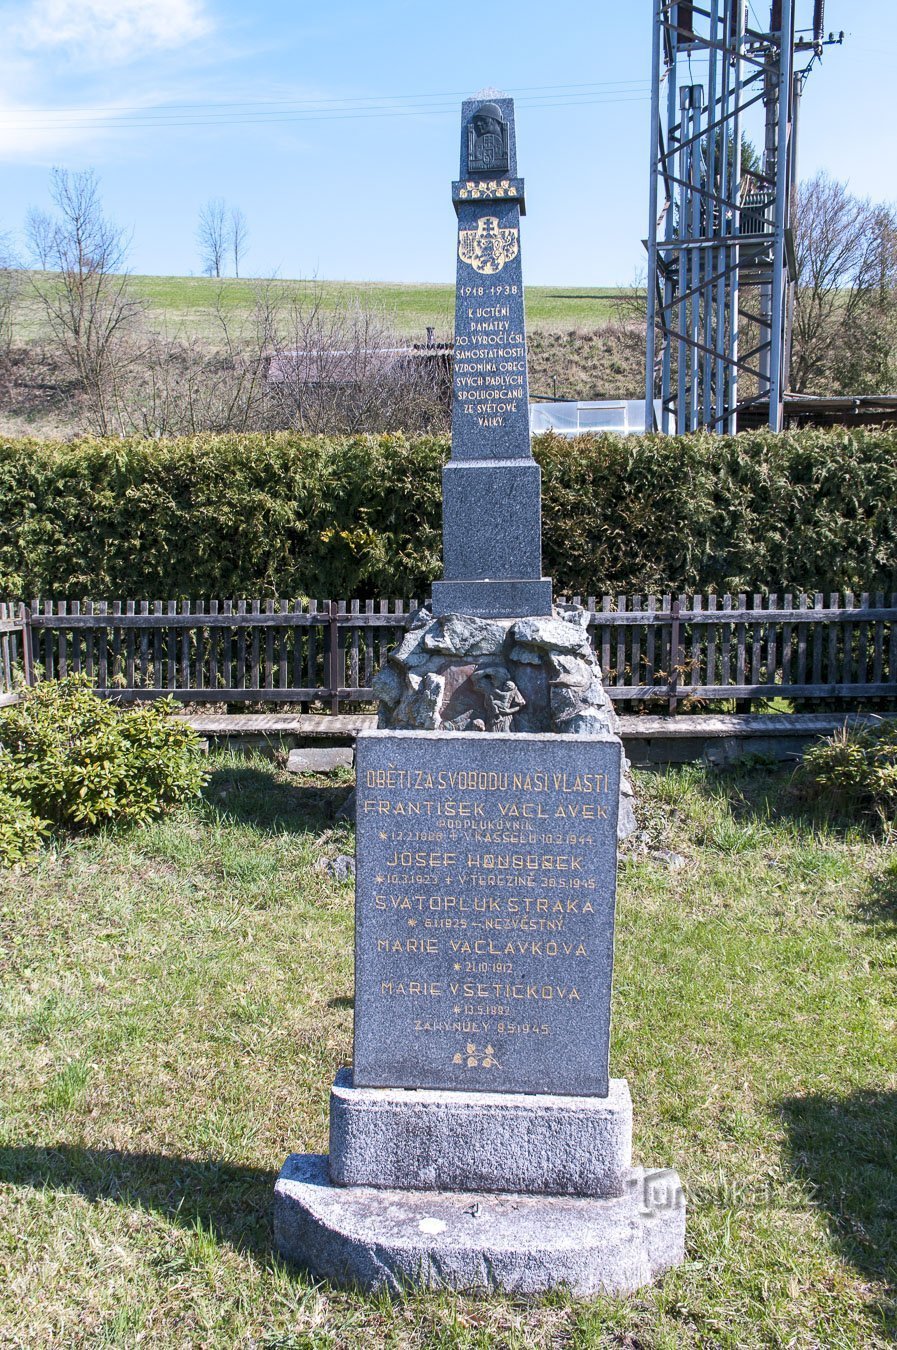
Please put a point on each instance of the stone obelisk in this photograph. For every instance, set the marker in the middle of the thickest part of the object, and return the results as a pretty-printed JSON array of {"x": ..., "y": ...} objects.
[{"x": 491, "y": 487}]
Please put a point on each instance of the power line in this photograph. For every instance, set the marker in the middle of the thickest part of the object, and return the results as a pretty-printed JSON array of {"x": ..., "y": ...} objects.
[
  {"x": 324, "y": 115},
  {"x": 374, "y": 99}
]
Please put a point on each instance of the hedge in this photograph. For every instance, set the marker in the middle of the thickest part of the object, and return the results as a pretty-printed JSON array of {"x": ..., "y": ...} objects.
[{"x": 287, "y": 515}]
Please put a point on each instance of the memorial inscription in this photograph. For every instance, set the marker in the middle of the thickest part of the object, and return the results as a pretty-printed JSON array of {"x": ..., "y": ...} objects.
[
  {"x": 484, "y": 911},
  {"x": 492, "y": 541}
]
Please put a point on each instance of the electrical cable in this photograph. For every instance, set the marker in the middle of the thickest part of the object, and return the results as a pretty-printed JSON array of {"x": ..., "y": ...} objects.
[
  {"x": 522, "y": 90},
  {"x": 326, "y": 115}
]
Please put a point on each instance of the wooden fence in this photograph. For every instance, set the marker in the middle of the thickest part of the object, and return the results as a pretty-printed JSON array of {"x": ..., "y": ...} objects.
[
  {"x": 674, "y": 649},
  {"x": 15, "y": 651}
]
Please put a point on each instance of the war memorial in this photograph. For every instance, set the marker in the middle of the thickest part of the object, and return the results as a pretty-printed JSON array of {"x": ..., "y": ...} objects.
[{"x": 479, "y": 1142}]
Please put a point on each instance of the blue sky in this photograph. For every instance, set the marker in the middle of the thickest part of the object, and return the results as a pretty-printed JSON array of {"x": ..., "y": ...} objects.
[{"x": 334, "y": 126}]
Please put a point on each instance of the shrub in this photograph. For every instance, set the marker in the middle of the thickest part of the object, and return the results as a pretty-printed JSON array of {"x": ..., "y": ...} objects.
[
  {"x": 287, "y": 515},
  {"x": 854, "y": 770},
  {"x": 20, "y": 829},
  {"x": 79, "y": 761}
]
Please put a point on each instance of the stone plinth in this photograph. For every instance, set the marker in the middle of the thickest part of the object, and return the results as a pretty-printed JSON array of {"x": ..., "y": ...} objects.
[
  {"x": 481, "y": 1141},
  {"x": 476, "y": 1242}
]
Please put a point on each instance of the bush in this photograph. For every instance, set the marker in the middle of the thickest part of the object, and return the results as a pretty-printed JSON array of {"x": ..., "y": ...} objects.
[
  {"x": 20, "y": 830},
  {"x": 287, "y": 515},
  {"x": 79, "y": 761},
  {"x": 854, "y": 770}
]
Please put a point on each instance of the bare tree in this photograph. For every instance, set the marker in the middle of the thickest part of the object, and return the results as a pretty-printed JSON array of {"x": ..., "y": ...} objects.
[
  {"x": 845, "y": 317},
  {"x": 341, "y": 368},
  {"x": 84, "y": 290},
  {"x": 212, "y": 236},
  {"x": 239, "y": 237},
  {"x": 184, "y": 385},
  {"x": 10, "y": 287}
]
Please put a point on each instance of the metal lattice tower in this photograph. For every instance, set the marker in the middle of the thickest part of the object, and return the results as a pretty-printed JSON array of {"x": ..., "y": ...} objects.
[{"x": 720, "y": 250}]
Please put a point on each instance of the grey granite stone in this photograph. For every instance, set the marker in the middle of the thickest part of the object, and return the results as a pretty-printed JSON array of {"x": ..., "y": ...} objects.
[
  {"x": 484, "y": 910},
  {"x": 341, "y": 868},
  {"x": 392, "y": 1241},
  {"x": 475, "y": 545},
  {"x": 504, "y": 599},
  {"x": 315, "y": 759},
  {"x": 491, "y": 487},
  {"x": 463, "y": 635},
  {"x": 549, "y": 680},
  {"x": 553, "y": 635},
  {"x": 388, "y": 685},
  {"x": 480, "y": 1141}
]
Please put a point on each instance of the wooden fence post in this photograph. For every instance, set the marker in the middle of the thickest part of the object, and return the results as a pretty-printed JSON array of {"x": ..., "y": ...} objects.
[
  {"x": 334, "y": 656},
  {"x": 674, "y": 656},
  {"x": 27, "y": 639}
]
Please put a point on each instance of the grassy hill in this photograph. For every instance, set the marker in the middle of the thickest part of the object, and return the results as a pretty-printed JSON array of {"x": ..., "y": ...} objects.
[
  {"x": 193, "y": 301},
  {"x": 575, "y": 348}
]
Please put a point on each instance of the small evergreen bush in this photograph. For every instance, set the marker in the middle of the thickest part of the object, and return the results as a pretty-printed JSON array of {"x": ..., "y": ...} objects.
[
  {"x": 853, "y": 771},
  {"x": 79, "y": 761},
  {"x": 20, "y": 830}
]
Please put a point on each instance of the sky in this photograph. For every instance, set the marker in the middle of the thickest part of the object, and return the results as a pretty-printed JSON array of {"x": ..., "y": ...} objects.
[{"x": 334, "y": 127}]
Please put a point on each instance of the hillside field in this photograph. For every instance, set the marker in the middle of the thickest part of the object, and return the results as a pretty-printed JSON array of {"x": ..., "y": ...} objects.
[{"x": 191, "y": 302}]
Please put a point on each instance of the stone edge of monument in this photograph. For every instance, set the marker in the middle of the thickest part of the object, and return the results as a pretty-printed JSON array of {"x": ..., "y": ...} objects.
[
  {"x": 423, "y": 1139},
  {"x": 505, "y": 598},
  {"x": 393, "y": 1240}
]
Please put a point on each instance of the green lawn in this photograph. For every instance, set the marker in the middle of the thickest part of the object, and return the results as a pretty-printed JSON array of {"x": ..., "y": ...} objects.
[
  {"x": 176, "y": 1000},
  {"x": 192, "y": 301}
]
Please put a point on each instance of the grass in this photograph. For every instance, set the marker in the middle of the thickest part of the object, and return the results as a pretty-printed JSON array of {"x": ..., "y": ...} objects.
[
  {"x": 192, "y": 302},
  {"x": 176, "y": 1000}
]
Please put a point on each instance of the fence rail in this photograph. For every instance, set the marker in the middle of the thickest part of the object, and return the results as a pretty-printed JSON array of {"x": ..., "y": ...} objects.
[{"x": 670, "y": 648}]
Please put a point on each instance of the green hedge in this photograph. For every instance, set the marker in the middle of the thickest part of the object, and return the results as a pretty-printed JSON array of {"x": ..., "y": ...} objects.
[{"x": 289, "y": 515}]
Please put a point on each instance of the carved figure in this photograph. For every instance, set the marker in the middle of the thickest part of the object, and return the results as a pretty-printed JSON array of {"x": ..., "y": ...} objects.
[
  {"x": 501, "y": 697},
  {"x": 487, "y": 140}
]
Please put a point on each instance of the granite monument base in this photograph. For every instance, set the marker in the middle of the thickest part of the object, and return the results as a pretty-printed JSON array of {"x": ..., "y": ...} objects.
[
  {"x": 479, "y": 1191},
  {"x": 502, "y": 598},
  {"x": 476, "y": 1242},
  {"x": 419, "y": 1139}
]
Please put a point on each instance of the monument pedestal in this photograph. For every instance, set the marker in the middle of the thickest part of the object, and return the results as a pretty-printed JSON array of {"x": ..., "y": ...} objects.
[
  {"x": 422, "y": 1139},
  {"x": 516, "y": 1192}
]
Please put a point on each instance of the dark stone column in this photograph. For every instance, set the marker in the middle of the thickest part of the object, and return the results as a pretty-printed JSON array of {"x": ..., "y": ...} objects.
[{"x": 491, "y": 488}]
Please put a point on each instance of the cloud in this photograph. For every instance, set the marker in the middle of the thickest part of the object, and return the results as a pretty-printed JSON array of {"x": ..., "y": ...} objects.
[
  {"x": 111, "y": 31},
  {"x": 66, "y": 52}
]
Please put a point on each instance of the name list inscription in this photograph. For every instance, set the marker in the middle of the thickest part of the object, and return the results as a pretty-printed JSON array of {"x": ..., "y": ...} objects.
[{"x": 484, "y": 911}]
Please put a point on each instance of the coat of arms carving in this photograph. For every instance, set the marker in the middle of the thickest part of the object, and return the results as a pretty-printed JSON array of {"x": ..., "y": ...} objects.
[{"x": 487, "y": 248}]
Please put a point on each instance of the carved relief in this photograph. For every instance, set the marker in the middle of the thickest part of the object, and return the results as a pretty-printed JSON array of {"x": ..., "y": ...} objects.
[
  {"x": 463, "y": 673},
  {"x": 488, "y": 248},
  {"x": 487, "y": 140}
]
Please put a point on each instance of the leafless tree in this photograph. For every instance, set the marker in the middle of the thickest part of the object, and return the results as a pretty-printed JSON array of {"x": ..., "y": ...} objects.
[
  {"x": 239, "y": 237},
  {"x": 212, "y": 236},
  {"x": 10, "y": 287},
  {"x": 84, "y": 291},
  {"x": 183, "y": 385},
  {"x": 845, "y": 318},
  {"x": 342, "y": 368}
]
